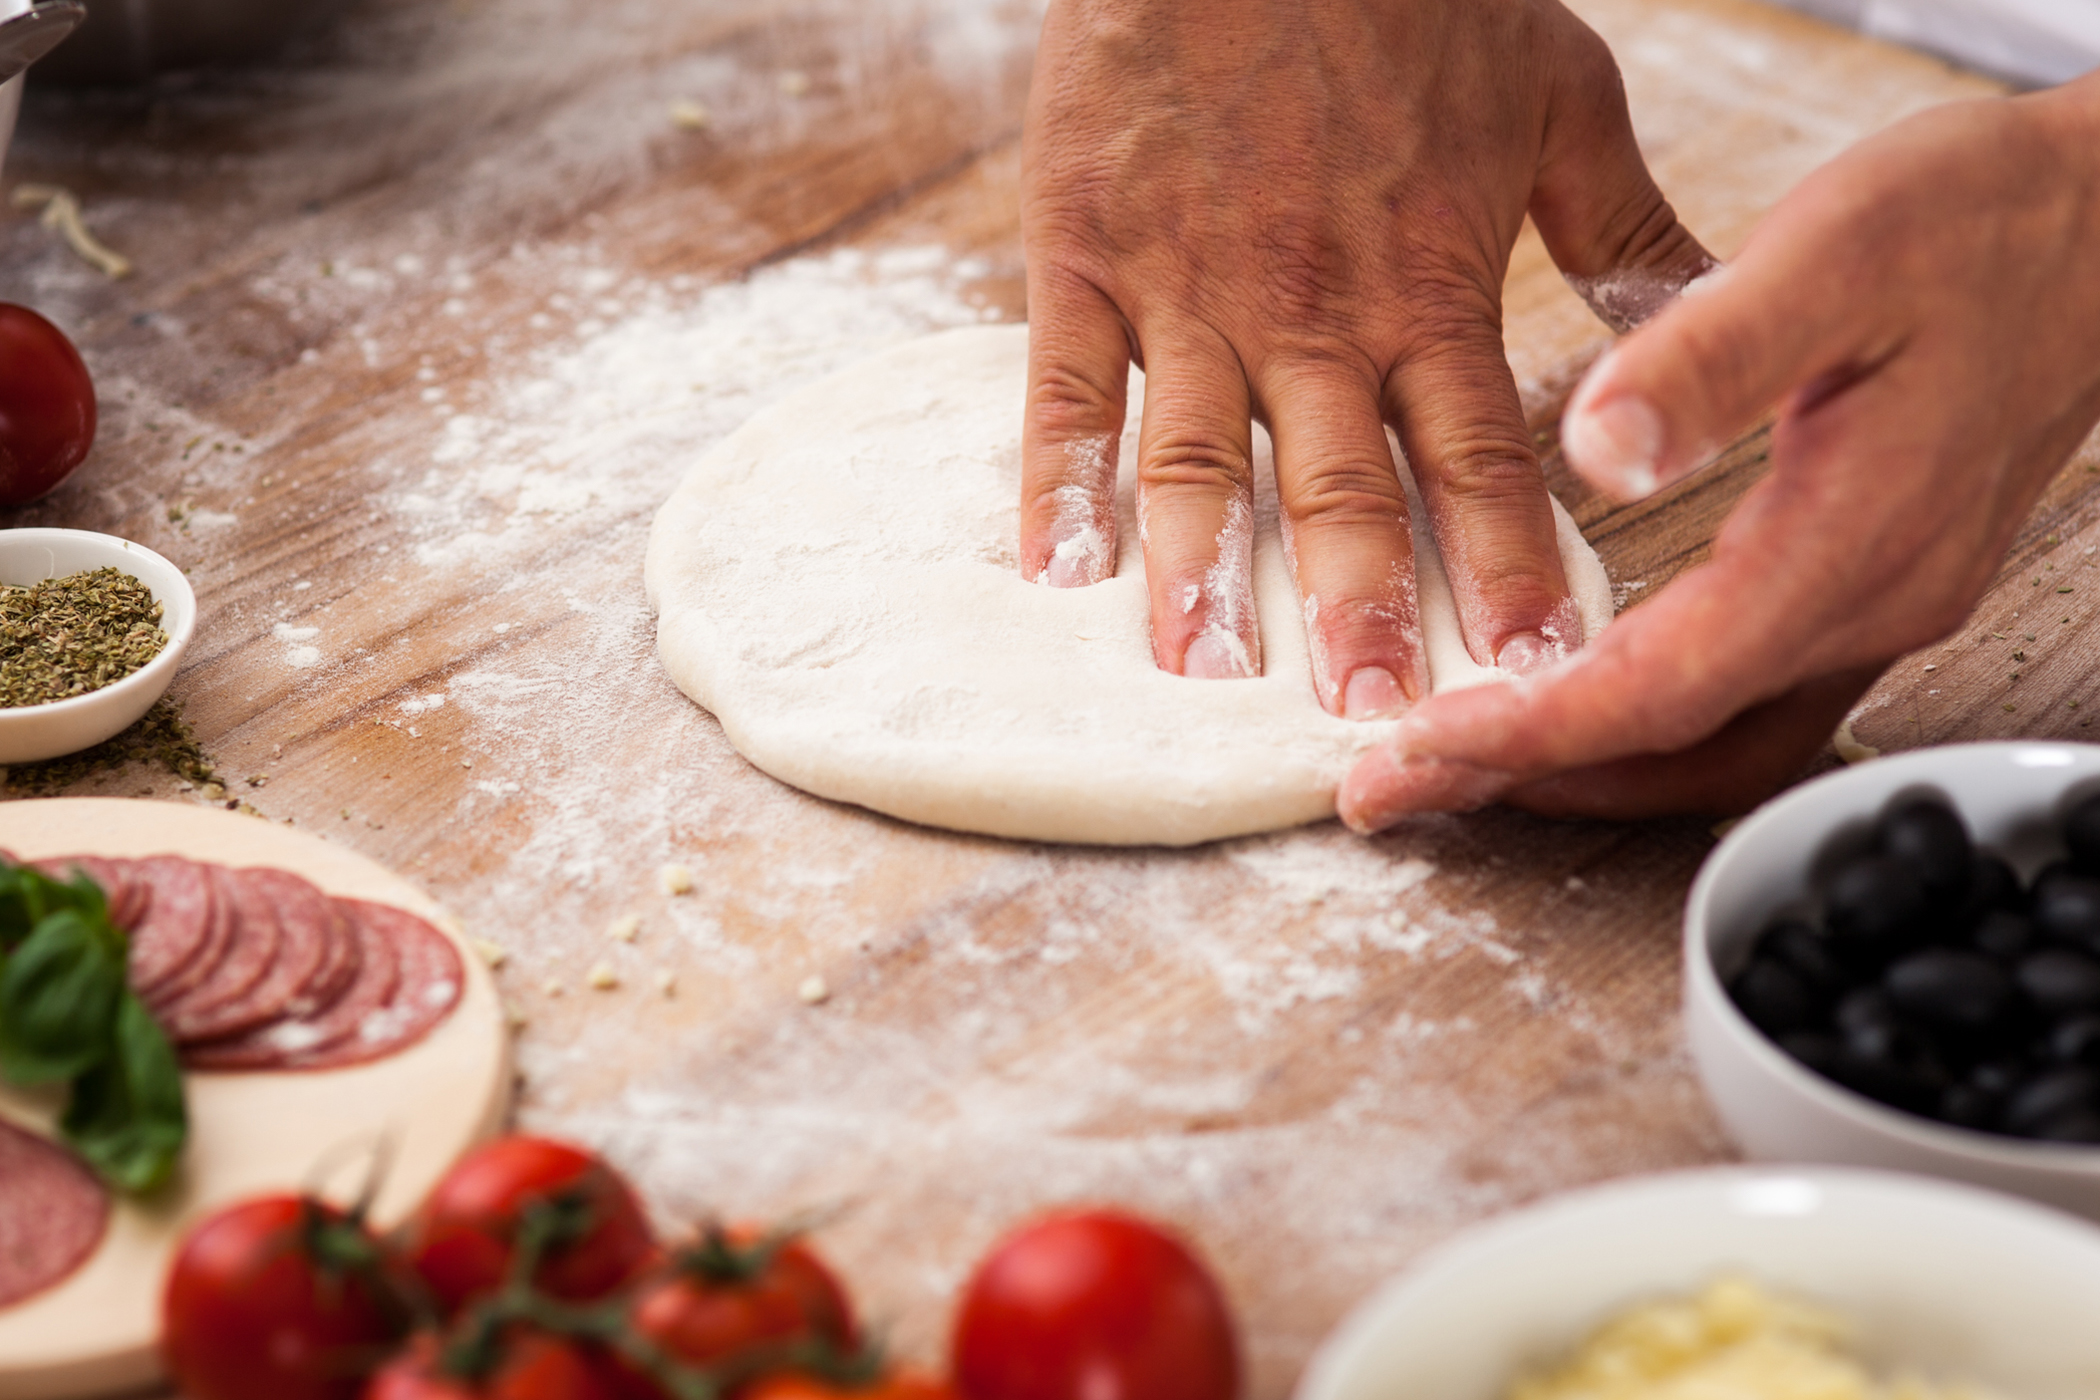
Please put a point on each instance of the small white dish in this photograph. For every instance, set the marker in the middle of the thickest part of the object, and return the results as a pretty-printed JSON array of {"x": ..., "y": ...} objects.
[
  {"x": 32, "y": 733},
  {"x": 2010, "y": 794},
  {"x": 1937, "y": 1279}
]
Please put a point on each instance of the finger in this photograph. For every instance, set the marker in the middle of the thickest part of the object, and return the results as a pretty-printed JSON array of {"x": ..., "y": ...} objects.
[
  {"x": 1662, "y": 678},
  {"x": 1462, "y": 426},
  {"x": 1749, "y": 759},
  {"x": 1196, "y": 509},
  {"x": 1078, "y": 373},
  {"x": 1609, "y": 229},
  {"x": 1346, "y": 523},
  {"x": 1660, "y": 402}
]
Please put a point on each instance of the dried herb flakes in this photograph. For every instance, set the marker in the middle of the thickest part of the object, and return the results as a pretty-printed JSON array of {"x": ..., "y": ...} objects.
[{"x": 72, "y": 635}]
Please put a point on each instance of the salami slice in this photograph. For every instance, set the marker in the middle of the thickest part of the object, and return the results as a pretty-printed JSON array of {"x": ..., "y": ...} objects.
[
  {"x": 308, "y": 914},
  {"x": 179, "y": 941},
  {"x": 264, "y": 914},
  {"x": 52, "y": 1214},
  {"x": 126, "y": 893},
  {"x": 429, "y": 987},
  {"x": 287, "y": 1044},
  {"x": 212, "y": 1007}
]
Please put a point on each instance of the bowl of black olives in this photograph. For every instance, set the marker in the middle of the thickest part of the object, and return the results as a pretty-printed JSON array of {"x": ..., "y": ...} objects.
[{"x": 1898, "y": 965}]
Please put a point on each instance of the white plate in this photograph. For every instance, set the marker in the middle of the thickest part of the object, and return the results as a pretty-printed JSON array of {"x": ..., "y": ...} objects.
[
  {"x": 32, "y": 733},
  {"x": 1945, "y": 1280}
]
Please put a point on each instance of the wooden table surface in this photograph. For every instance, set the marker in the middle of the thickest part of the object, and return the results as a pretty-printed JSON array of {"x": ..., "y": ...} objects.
[{"x": 427, "y": 318}]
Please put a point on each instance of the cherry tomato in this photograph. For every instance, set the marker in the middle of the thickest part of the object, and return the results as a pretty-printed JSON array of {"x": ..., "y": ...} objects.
[
  {"x": 463, "y": 1241},
  {"x": 738, "y": 1289},
  {"x": 893, "y": 1385},
  {"x": 1094, "y": 1305},
  {"x": 278, "y": 1298},
  {"x": 524, "y": 1365},
  {"x": 47, "y": 406}
]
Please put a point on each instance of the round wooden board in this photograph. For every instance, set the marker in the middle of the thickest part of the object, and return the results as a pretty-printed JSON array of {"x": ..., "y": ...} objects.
[{"x": 249, "y": 1133}]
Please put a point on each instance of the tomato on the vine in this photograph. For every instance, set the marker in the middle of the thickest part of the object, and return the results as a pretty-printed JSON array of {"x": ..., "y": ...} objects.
[
  {"x": 596, "y": 1237},
  {"x": 47, "y": 406},
  {"x": 903, "y": 1384},
  {"x": 1094, "y": 1305},
  {"x": 277, "y": 1298},
  {"x": 521, "y": 1364},
  {"x": 739, "y": 1289}
]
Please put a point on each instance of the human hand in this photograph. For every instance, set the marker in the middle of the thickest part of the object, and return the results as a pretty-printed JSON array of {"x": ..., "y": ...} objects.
[
  {"x": 1926, "y": 312},
  {"x": 1301, "y": 211}
]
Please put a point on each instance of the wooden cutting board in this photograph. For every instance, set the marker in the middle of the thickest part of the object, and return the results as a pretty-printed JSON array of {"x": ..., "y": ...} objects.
[{"x": 428, "y": 318}]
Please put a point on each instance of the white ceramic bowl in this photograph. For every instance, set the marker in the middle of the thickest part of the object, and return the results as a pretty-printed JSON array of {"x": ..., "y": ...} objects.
[
  {"x": 32, "y": 733},
  {"x": 1944, "y": 1280},
  {"x": 2010, "y": 795}
]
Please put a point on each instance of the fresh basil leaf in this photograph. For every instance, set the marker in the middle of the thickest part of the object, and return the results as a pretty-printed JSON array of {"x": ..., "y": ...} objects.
[
  {"x": 127, "y": 1116},
  {"x": 28, "y": 896},
  {"x": 58, "y": 1000}
]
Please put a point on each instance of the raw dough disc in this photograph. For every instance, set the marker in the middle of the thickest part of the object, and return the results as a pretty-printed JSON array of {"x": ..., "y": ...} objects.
[
  {"x": 837, "y": 583},
  {"x": 249, "y": 1133}
]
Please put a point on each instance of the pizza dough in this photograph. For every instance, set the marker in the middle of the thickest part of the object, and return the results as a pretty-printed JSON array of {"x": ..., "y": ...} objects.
[
  {"x": 95, "y": 1331},
  {"x": 837, "y": 583}
]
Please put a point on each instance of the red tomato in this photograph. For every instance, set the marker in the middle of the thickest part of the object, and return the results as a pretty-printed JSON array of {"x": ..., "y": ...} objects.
[
  {"x": 737, "y": 1289},
  {"x": 462, "y": 1242},
  {"x": 277, "y": 1298},
  {"x": 1094, "y": 1305},
  {"x": 526, "y": 1365},
  {"x": 893, "y": 1385},
  {"x": 47, "y": 406}
]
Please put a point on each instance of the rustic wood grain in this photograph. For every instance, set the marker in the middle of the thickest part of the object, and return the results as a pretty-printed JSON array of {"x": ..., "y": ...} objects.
[{"x": 1317, "y": 1055}]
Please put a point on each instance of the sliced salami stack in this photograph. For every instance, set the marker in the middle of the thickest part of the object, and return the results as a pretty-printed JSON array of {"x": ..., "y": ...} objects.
[{"x": 257, "y": 969}]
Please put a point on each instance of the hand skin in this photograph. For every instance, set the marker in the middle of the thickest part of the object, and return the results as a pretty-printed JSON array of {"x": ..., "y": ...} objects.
[
  {"x": 1300, "y": 212},
  {"x": 1925, "y": 312}
]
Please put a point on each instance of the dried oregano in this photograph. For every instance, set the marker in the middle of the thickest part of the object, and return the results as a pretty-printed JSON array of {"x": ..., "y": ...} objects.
[{"x": 72, "y": 635}]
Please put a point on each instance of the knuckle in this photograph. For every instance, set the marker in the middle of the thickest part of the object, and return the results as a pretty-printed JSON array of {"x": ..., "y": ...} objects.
[
  {"x": 1065, "y": 402},
  {"x": 1194, "y": 459},
  {"x": 1488, "y": 470},
  {"x": 1346, "y": 493}
]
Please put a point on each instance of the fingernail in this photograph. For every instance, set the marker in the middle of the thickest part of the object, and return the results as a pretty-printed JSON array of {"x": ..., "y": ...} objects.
[
  {"x": 1372, "y": 693},
  {"x": 1526, "y": 652},
  {"x": 1079, "y": 557},
  {"x": 1621, "y": 439},
  {"x": 1213, "y": 658}
]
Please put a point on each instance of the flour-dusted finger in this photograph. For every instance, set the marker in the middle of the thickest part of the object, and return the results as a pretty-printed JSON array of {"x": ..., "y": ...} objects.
[
  {"x": 1078, "y": 375},
  {"x": 1346, "y": 524},
  {"x": 1462, "y": 426},
  {"x": 1195, "y": 477}
]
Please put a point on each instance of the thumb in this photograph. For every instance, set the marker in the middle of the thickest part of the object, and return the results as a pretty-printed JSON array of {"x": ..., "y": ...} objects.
[
  {"x": 1665, "y": 399},
  {"x": 1606, "y": 224}
]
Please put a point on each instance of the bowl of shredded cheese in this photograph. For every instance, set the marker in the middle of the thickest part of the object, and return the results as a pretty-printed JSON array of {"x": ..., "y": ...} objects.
[{"x": 1738, "y": 1283}]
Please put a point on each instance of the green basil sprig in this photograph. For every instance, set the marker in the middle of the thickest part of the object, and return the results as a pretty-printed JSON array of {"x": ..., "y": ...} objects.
[{"x": 67, "y": 1013}]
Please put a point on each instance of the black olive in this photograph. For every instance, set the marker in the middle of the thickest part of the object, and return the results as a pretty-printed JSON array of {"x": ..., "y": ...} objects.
[
  {"x": 2067, "y": 910},
  {"x": 1993, "y": 885},
  {"x": 1914, "y": 1088},
  {"x": 1875, "y": 908},
  {"x": 2076, "y": 1041},
  {"x": 2048, "y": 1094},
  {"x": 2079, "y": 1124},
  {"x": 2003, "y": 934},
  {"x": 1926, "y": 834},
  {"x": 1969, "y": 1106},
  {"x": 1946, "y": 987},
  {"x": 1774, "y": 997},
  {"x": 1800, "y": 948},
  {"x": 1998, "y": 1077},
  {"x": 2059, "y": 981},
  {"x": 1819, "y": 1050},
  {"x": 2082, "y": 835},
  {"x": 1868, "y": 1024}
]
